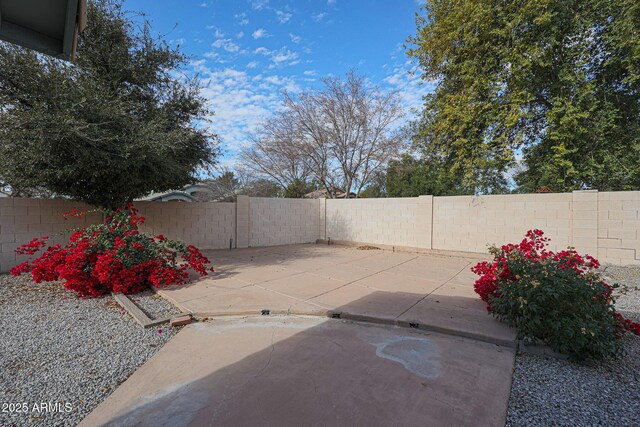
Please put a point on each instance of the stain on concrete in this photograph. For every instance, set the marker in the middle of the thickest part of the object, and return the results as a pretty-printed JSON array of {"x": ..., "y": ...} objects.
[{"x": 418, "y": 355}]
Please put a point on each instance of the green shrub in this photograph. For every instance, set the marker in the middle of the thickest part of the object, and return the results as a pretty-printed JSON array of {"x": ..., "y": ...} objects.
[{"x": 558, "y": 299}]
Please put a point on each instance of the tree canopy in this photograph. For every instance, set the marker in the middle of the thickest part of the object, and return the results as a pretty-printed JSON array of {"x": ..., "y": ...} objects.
[
  {"x": 557, "y": 82},
  {"x": 412, "y": 177},
  {"x": 118, "y": 124}
]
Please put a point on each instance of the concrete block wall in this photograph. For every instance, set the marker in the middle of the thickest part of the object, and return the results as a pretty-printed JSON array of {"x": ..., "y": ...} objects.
[
  {"x": 603, "y": 224},
  {"x": 23, "y": 219},
  {"x": 471, "y": 223},
  {"x": 618, "y": 235},
  {"x": 242, "y": 221},
  {"x": 389, "y": 221},
  {"x": 584, "y": 222},
  {"x": 205, "y": 225},
  {"x": 283, "y": 221}
]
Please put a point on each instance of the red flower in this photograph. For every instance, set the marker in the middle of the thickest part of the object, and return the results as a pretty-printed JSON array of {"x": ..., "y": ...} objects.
[
  {"x": 112, "y": 258},
  {"x": 533, "y": 248}
]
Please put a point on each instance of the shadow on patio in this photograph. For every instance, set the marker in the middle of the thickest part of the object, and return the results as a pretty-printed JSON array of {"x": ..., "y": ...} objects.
[
  {"x": 300, "y": 370},
  {"x": 429, "y": 291}
]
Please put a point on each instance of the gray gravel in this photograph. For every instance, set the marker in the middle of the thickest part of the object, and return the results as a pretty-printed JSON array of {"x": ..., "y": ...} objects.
[
  {"x": 551, "y": 392},
  {"x": 56, "y": 347},
  {"x": 154, "y": 305}
]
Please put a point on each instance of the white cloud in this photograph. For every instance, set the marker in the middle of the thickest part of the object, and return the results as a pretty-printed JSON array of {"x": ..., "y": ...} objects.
[
  {"x": 278, "y": 57},
  {"x": 319, "y": 16},
  {"x": 331, "y": 2},
  {"x": 259, "y": 4},
  {"x": 410, "y": 86},
  {"x": 239, "y": 101},
  {"x": 283, "y": 55},
  {"x": 226, "y": 44},
  {"x": 262, "y": 51},
  {"x": 283, "y": 17},
  {"x": 295, "y": 38},
  {"x": 240, "y": 35},
  {"x": 242, "y": 18},
  {"x": 180, "y": 42},
  {"x": 204, "y": 4},
  {"x": 309, "y": 73},
  {"x": 259, "y": 33},
  {"x": 253, "y": 64}
]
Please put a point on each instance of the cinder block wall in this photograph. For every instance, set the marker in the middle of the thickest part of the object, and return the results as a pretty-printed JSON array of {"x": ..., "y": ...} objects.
[
  {"x": 283, "y": 221},
  {"x": 603, "y": 224},
  {"x": 619, "y": 227},
  {"x": 380, "y": 221},
  {"x": 23, "y": 219},
  {"x": 205, "y": 225},
  {"x": 469, "y": 224}
]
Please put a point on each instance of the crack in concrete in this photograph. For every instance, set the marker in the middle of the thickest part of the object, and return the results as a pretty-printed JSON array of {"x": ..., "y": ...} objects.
[
  {"x": 264, "y": 368},
  {"x": 439, "y": 287}
]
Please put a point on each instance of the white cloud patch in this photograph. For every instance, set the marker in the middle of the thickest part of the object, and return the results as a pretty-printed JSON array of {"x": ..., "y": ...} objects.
[
  {"x": 283, "y": 17},
  {"x": 259, "y": 4},
  {"x": 319, "y": 16},
  {"x": 226, "y": 44},
  {"x": 406, "y": 79},
  {"x": 253, "y": 64},
  {"x": 283, "y": 55},
  {"x": 179, "y": 42},
  {"x": 278, "y": 57},
  {"x": 294, "y": 38},
  {"x": 262, "y": 51},
  {"x": 259, "y": 33},
  {"x": 242, "y": 19},
  {"x": 240, "y": 102},
  {"x": 240, "y": 35}
]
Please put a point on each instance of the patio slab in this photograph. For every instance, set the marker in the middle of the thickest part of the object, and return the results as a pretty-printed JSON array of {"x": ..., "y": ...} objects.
[
  {"x": 428, "y": 291},
  {"x": 312, "y": 371}
]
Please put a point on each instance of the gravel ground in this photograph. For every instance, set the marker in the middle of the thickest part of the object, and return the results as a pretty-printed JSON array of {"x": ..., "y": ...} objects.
[
  {"x": 58, "y": 348},
  {"x": 551, "y": 392},
  {"x": 154, "y": 305}
]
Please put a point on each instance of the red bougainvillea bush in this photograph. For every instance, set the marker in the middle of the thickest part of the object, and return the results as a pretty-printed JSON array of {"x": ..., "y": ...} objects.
[
  {"x": 112, "y": 256},
  {"x": 557, "y": 298}
]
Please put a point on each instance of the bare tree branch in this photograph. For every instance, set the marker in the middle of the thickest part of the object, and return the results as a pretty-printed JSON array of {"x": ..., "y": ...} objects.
[{"x": 340, "y": 136}]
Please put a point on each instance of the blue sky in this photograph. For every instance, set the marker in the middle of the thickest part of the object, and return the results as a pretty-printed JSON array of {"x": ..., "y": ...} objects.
[{"x": 247, "y": 51}]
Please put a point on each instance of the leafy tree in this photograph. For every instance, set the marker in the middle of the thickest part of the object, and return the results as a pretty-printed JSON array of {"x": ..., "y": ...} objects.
[
  {"x": 116, "y": 125},
  {"x": 412, "y": 177},
  {"x": 298, "y": 188},
  {"x": 558, "y": 80},
  {"x": 377, "y": 188}
]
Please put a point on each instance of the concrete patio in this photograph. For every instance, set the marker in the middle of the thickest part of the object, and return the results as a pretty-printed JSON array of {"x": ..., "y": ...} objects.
[
  {"x": 353, "y": 337},
  {"x": 429, "y": 291}
]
